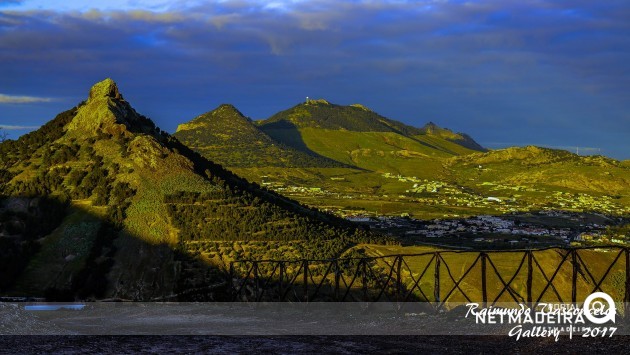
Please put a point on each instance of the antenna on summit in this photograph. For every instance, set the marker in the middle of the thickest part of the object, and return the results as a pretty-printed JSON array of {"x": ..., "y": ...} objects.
[{"x": 307, "y": 99}]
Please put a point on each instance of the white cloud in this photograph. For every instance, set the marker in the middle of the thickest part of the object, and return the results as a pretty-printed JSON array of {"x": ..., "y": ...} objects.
[
  {"x": 17, "y": 127},
  {"x": 9, "y": 99}
]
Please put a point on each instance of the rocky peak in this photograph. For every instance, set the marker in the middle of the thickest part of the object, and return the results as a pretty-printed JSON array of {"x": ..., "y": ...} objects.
[
  {"x": 105, "y": 111},
  {"x": 105, "y": 88}
]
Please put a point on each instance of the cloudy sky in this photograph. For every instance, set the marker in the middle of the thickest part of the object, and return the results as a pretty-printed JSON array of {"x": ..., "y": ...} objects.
[{"x": 508, "y": 72}]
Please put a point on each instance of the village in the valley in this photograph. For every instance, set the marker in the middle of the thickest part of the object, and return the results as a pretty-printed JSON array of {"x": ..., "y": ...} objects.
[
  {"x": 515, "y": 219},
  {"x": 541, "y": 229}
]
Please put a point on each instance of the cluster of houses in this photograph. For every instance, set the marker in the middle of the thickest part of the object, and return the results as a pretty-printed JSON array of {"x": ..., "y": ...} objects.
[
  {"x": 487, "y": 225},
  {"x": 506, "y": 198},
  {"x": 442, "y": 193},
  {"x": 494, "y": 186},
  {"x": 509, "y": 229},
  {"x": 582, "y": 201},
  {"x": 439, "y": 193},
  {"x": 598, "y": 235},
  {"x": 292, "y": 189},
  {"x": 483, "y": 228}
]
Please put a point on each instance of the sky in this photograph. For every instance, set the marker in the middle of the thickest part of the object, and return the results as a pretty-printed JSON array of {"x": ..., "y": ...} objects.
[{"x": 508, "y": 72}]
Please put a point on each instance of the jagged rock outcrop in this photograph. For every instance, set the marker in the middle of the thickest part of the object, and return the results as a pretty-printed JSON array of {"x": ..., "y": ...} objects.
[{"x": 105, "y": 112}]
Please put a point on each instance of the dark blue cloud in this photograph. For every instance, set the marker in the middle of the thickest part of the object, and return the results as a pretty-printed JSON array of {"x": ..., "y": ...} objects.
[{"x": 544, "y": 72}]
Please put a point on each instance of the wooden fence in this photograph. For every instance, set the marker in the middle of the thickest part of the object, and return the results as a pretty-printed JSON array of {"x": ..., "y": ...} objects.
[{"x": 441, "y": 277}]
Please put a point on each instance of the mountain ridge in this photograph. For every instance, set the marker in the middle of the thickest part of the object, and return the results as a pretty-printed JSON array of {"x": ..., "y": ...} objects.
[
  {"x": 226, "y": 136},
  {"x": 322, "y": 114},
  {"x": 138, "y": 210},
  {"x": 462, "y": 139}
]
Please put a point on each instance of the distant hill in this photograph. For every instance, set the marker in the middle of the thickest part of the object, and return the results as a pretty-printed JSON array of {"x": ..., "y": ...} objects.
[
  {"x": 386, "y": 165},
  {"x": 357, "y": 118},
  {"x": 314, "y": 143},
  {"x": 545, "y": 168},
  {"x": 225, "y": 136},
  {"x": 101, "y": 203},
  {"x": 322, "y": 114},
  {"x": 357, "y": 136}
]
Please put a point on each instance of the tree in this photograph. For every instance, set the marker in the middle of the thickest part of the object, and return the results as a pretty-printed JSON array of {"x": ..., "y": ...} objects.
[{"x": 3, "y": 135}]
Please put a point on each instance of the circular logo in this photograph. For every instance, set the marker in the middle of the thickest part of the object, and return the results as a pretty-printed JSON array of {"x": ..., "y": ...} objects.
[{"x": 596, "y": 311}]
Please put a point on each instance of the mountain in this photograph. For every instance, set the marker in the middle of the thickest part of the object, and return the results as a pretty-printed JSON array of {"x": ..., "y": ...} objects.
[
  {"x": 357, "y": 118},
  {"x": 462, "y": 139},
  {"x": 322, "y": 114},
  {"x": 227, "y": 137},
  {"x": 318, "y": 134},
  {"x": 100, "y": 203},
  {"x": 389, "y": 166},
  {"x": 362, "y": 145},
  {"x": 356, "y": 136}
]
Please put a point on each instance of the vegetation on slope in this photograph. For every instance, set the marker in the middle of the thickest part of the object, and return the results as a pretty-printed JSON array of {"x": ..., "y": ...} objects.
[
  {"x": 559, "y": 170},
  {"x": 321, "y": 114},
  {"x": 227, "y": 137},
  {"x": 392, "y": 160},
  {"x": 140, "y": 200},
  {"x": 357, "y": 136}
]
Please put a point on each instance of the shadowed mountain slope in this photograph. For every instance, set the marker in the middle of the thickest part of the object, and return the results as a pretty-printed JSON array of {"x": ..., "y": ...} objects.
[
  {"x": 357, "y": 136},
  {"x": 227, "y": 137},
  {"x": 322, "y": 114},
  {"x": 133, "y": 208},
  {"x": 390, "y": 153}
]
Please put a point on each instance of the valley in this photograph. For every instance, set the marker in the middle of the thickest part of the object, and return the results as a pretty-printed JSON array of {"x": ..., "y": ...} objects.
[{"x": 397, "y": 178}]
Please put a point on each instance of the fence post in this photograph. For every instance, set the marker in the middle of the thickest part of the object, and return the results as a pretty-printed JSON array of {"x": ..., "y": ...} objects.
[
  {"x": 256, "y": 281},
  {"x": 281, "y": 266},
  {"x": 305, "y": 280},
  {"x": 484, "y": 289},
  {"x": 436, "y": 277},
  {"x": 626, "y": 298},
  {"x": 575, "y": 275},
  {"x": 231, "y": 281},
  {"x": 530, "y": 275},
  {"x": 398, "y": 278},
  {"x": 364, "y": 280},
  {"x": 337, "y": 275}
]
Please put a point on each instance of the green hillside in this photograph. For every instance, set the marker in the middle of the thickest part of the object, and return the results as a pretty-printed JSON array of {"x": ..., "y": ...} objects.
[
  {"x": 462, "y": 173},
  {"x": 545, "y": 169},
  {"x": 100, "y": 203},
  {"x": 325, "y": 155},
  {"x": 388, "y": 168},
  {"x": 357, "y": 136},
  {"x": 375, "y": 151},
  {"x": 227, "y": 137},
  {"x": 322, "y": 114}
]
